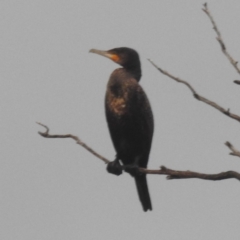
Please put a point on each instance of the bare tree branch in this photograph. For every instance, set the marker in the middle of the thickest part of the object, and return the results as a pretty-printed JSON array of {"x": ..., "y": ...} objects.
[
  {"x": 171, "y": 174},
  {"x": 237, "y": 82},
  {"x": 234, "y": 152},
  {"x": 47, "y": 135},
  {"x": 220, "y": 40},
  {"x": 196, "y": 95}
]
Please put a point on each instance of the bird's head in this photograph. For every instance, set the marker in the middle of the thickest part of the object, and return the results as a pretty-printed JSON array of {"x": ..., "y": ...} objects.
[{"x": 126, "y": 57}]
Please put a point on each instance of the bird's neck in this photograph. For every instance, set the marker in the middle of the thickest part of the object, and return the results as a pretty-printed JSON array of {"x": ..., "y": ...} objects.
[{"x": 135, "y": 72}]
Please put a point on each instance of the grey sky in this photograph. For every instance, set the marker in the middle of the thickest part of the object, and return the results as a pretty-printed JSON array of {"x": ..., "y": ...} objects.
[{"x": 54, "y": 189}]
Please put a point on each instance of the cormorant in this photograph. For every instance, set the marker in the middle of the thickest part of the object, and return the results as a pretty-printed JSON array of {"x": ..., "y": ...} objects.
[{"x": 129, "y": 117}]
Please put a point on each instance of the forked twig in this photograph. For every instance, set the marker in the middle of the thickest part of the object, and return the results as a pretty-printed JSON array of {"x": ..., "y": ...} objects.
[
  {"x": 234, "y": 152},
  {"x": 220, "y": 40},
  {"x": 84, "y": 145}
]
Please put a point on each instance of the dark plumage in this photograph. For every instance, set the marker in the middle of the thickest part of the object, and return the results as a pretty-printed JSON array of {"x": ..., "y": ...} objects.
[{"x": 129, "y": 117}]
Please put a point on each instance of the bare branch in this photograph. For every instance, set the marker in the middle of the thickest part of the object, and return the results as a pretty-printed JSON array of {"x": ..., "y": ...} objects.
[
  {"x": 47, "y": 135},
  {"x": 237, "y": 82},
  {"x": 171, "y": 174},
  {"x": 174, "y": 78},
  {"x": 220, "y": 40},
  {"x": 234, "y": 152},
  {"x": 196, "y": 95}
]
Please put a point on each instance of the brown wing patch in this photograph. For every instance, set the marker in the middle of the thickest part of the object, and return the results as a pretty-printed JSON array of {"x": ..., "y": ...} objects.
[
  {"x": 118, "y": 93},
  {"x": 118, "y": 105}
]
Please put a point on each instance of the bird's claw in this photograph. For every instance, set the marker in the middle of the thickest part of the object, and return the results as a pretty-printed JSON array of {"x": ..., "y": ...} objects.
[{"x": 114, "y": 167}]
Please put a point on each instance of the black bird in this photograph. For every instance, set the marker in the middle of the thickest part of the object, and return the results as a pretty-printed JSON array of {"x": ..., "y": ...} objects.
[{"x": 129, "y": 117}]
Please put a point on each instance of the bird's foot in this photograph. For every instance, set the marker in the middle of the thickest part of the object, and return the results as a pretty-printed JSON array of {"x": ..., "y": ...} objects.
[
  {"x": 132, "y": 169},
  {"x": 114, "y": 167}
]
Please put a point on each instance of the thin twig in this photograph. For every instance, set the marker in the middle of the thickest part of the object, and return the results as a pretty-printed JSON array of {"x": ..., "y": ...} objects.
[
  {"x": 47, "y": 135},
  {"x": 234, "y": 152},
  {"x": 220, "y": 40},
  {"x": 196, "y": 95},
  {"x": 171, "y": 174}
]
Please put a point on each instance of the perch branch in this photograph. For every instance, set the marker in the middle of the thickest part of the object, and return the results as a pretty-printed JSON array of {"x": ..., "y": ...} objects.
[
  {"x": 171, "y": 174},
  {"x": 234, "y": 152},
  {"x": 196, "y": 95},
  {"x": 220, "y": 40}
]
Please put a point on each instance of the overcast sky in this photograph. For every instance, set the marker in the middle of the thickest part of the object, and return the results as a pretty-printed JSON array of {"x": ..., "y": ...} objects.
[{"x": 53, "y": 188}]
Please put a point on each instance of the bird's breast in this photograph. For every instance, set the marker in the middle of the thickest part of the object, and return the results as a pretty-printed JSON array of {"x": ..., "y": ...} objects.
[{"x": 119, "y": 92}]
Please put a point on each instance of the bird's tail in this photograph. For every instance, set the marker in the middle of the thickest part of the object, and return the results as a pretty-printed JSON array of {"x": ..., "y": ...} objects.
[{"x": 142, "y": 189}]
